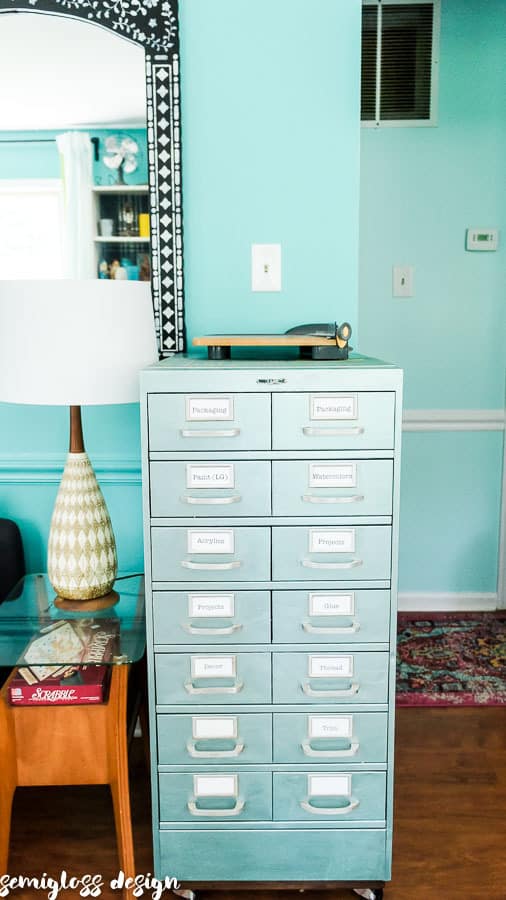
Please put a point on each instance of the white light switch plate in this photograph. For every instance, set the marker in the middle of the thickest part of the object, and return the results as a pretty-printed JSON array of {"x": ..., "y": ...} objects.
[
  {"x": 403, "y": 281},
  {"x": 265, "y": 267}
]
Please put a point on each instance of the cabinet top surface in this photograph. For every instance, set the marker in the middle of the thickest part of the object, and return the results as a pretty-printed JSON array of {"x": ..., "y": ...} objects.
[{"x": 182, "y": 361}]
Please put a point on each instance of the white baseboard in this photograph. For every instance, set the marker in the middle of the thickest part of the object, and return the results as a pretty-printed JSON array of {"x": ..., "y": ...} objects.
[{"x": 422, "y": 601}]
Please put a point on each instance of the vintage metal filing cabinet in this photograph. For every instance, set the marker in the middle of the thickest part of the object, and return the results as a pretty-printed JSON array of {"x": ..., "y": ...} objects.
[{"x": 271, "y": 496}]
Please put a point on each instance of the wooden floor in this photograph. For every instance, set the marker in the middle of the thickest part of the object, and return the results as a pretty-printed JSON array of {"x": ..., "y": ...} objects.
[{"x": 450, "y": 831}]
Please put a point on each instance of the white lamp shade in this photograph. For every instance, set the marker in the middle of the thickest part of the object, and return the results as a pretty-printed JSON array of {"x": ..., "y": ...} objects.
[{"x": 74, "y": 343}]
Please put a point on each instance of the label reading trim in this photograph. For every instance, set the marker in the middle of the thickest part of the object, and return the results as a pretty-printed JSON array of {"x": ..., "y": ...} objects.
[{"x": 330, "y": 727}]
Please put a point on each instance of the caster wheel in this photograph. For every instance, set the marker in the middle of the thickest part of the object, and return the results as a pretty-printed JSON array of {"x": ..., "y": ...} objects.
[{"x": 369, "y": 893}]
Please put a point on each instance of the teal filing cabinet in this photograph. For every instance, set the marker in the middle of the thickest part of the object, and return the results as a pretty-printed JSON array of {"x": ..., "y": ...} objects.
[{"x": 271, "y": 504}]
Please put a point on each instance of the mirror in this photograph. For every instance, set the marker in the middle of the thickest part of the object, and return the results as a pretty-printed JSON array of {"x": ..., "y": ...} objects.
[{"x": 63, "y": 80}]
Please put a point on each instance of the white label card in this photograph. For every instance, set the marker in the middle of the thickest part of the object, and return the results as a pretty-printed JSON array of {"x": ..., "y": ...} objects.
[
  {"x": 332, "y": 604},
  {"x": 208, "y": 476},
  {"x": 209, "y": 409},
  {"x": 330, "y": 666},
  {"x": 208, "y": 606},
  {"x": 329, "y": 785},
  {"x": 333, "y": 406},
  {"x": 335, "y": 540},
  {"x": 213, "y": 666},
  {"x": 207, "y": 727},
  {"x": 330, "y": 726},
  {"x": 333, "y": 475},
  {"x": 215, "y": 785},
  {"x": 210, "y": 541}
]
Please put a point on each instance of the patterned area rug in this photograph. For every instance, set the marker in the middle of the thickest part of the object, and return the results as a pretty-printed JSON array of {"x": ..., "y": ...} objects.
[{"x": 447, "y": 659}]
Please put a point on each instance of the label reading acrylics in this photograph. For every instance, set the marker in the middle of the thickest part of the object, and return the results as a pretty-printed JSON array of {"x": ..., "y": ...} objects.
[
  {"x": 209, "y": 409},
  {"x": 330, "y": 666},
  {"x": 333, "y": 406},
  {"x": 210, "y": 476},
  {"x": 332, "y": 475},
  {"x": 330, "y": 727},
  {"x": 209, "y": 727},
  {"x": 332, "y": 604},
  {"x": 213, "y": 666},
  {"x": 209, "y": 606},
  {"x": 329, "y": 785},
  {"x": 215, "y": 785},
  {"x": 335, "y": 540},
  {"x": 208, "y": 541}
]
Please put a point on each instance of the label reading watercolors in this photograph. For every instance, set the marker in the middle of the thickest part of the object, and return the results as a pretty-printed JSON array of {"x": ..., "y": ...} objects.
[
  {"x": 330, "y": 727},
  {"x": 210, "y": 541},
  {"x": 329, "y": 785},
  {"x": 340, "y": 540},
  {"x": 213, "y": 666},
  {"x": 207, "y": 476},
  {"x": 333, "y": 475},
  {"x": 335, "y": 406},
  {"x": 209, "y": 409},
  {"x": 330, "y": 666},
  {"x": 215, "y": 785},
  {"x": 207, "y": 728},
  {"x": 331, "y": 604},
  {"x": 202, "y": 606}
]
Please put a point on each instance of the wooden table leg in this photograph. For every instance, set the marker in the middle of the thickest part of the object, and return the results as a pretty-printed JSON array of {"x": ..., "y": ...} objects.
[
  {"x": 8, "y": 779},
  {"x": 117, "y": 763}
]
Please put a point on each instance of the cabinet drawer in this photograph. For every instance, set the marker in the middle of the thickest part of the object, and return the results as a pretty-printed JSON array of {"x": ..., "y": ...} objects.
[
  {"x": 352, "y": 553},
  {"x": 215, "y": 740},
  {"x": 210, "y": 554},
  {"x": 333, "y": 421},
  {"x": 330, "y": 616},
  {"x": 209, "y": 678},
  {"x": 216, "y": 798},
  {"x": 337, "y": 798},
  {"x": 210, "y": 489},
  {"x": 332, "y": 487},
  {"x": 211, "y": 617},
  {"x": 319, "y": 677},
  {"x": 330, "y": 738},
  {"x": 209, "y": 421}
]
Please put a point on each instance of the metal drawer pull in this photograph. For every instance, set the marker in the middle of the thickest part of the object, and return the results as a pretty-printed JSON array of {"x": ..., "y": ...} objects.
[
  {"x": 311, "y": 431},
  {"x": 210, "y": 567},
  {"x": 234, "y": 689},
  {"x": 228, "y": 629},
  {"x": 329, "y": 810},
  {"x": 235, "y": 811},
  {"x": 312, "y": 498},
  {"x": 216, "y": 433},
  {"x": 216, "y": 501},
  {"x": 330, "y": 754},
  {"x": 344, "y": 692},
  {"x": 323, "y": 629},
  {"x": 213, "y": 754},
  {"x": 352, "y": 564}
]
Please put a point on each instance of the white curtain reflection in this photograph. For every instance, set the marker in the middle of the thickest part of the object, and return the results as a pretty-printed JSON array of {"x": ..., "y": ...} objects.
[{"x": 75, "y": 151}]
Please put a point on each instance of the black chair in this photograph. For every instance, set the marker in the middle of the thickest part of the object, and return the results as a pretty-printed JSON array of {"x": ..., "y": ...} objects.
[{"x": 12, "y": 565}]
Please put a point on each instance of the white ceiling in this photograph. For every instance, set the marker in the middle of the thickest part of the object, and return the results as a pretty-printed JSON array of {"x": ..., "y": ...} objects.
[{"x": 62, "y": 73}]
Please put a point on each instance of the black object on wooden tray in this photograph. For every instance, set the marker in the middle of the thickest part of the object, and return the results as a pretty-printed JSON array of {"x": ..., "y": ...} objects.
[{"x": 317, "y": 341}]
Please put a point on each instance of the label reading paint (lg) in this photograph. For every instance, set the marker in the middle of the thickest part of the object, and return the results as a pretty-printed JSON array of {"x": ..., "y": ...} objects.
[
  {"x": 207, "y": 476},
  {"x": 330, "y": 666},
  {"x": 208, "y": 541},
  {"x": 330, "y": 727},
  {"x": 209, "y": 727},
  {"x": 333, "y": 406},
  {"x": 331, "y": 604},
  {"x": 329, "y": 785},
  {"x": 213, "y": 666},
  {"x": 215, "y": 785},
  {"x": 209, "y": 606},
  {"x": 209, "y": 409},
  {"x": 333, "y": 475},
  {"x": 335, "y": 540}
]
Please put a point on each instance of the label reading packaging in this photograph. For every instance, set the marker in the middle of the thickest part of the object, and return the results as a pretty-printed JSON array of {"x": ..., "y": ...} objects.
[
  {"x": 335, "y": 540},
  {"x": 330, "y": 726},
  {"x": 213, "y": 666},
  {"x": 215, "y": 785},
  {"x": 202, "y": 606},
  {"x": 209, "y": 409},
  {"x": 333, "y": 475},
  {"x": 206, "y": 727},
  {"x": 332, "y": 604},
  {"x": 333, "y": 406},
  {"x": 330, "y": 666},
  {"x": 329, "y": 785},
  {"x": 210, "y": 541},
  {"x": 207, "y": 476}
]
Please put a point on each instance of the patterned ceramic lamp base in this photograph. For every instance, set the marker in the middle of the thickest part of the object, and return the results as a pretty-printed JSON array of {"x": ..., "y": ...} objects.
[{"x": 82, "y": 561}]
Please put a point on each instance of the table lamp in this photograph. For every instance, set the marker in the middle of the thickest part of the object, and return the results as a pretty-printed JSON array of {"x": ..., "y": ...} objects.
[{"x": 76, "y": 343}]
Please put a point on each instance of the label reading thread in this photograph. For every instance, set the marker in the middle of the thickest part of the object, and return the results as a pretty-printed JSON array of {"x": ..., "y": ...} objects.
[
  {"x": 207, "y": 476},
  {"x": 332, "y": 541},
  {"x": 329, "y": 785},
  {"x": 330, "y": 726},
  {"x": 202, "y": 606},
  {"x": 205, "y": 728},
  {"x": 210, "y": 541},
  {"x": 330, "y": 666},
  {"x": 213, "y": 666},
  {"x": 333, "y": 475},
  {"x": 331, "y": 604},
  {"x": 333, "y": 407},
  {"x": 209, "y": 409}
]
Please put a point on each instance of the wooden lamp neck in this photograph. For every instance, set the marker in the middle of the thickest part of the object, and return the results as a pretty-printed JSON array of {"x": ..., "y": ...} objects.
[{"x": 76, "y": 430}]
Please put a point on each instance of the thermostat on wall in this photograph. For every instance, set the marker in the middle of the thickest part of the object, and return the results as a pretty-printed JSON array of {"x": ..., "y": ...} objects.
[{"x": 482, "y": 239}]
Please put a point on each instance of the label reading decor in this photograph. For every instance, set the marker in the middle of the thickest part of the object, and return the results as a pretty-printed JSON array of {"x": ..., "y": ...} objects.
[
  {"x": 207, "y": 728},
  {"x": 332, "y": 604},
  {"x": 329, "y": 785},
  {"x": 215, "y": 785},
  {"x": 333, "y": 406},
  {"x": 209, "y": 409},
  {"x": 333, "y": 475},
  {"x": 213, "y": 666},
  {"x": 330, "y": 726},
  {"x": 210, "y": 541},
  {"x": 330, "y": 666},
  {"x": 201, "y": 606},
  {"x": 333, "y": 540},
  {"x": 207, "y": 476}
]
